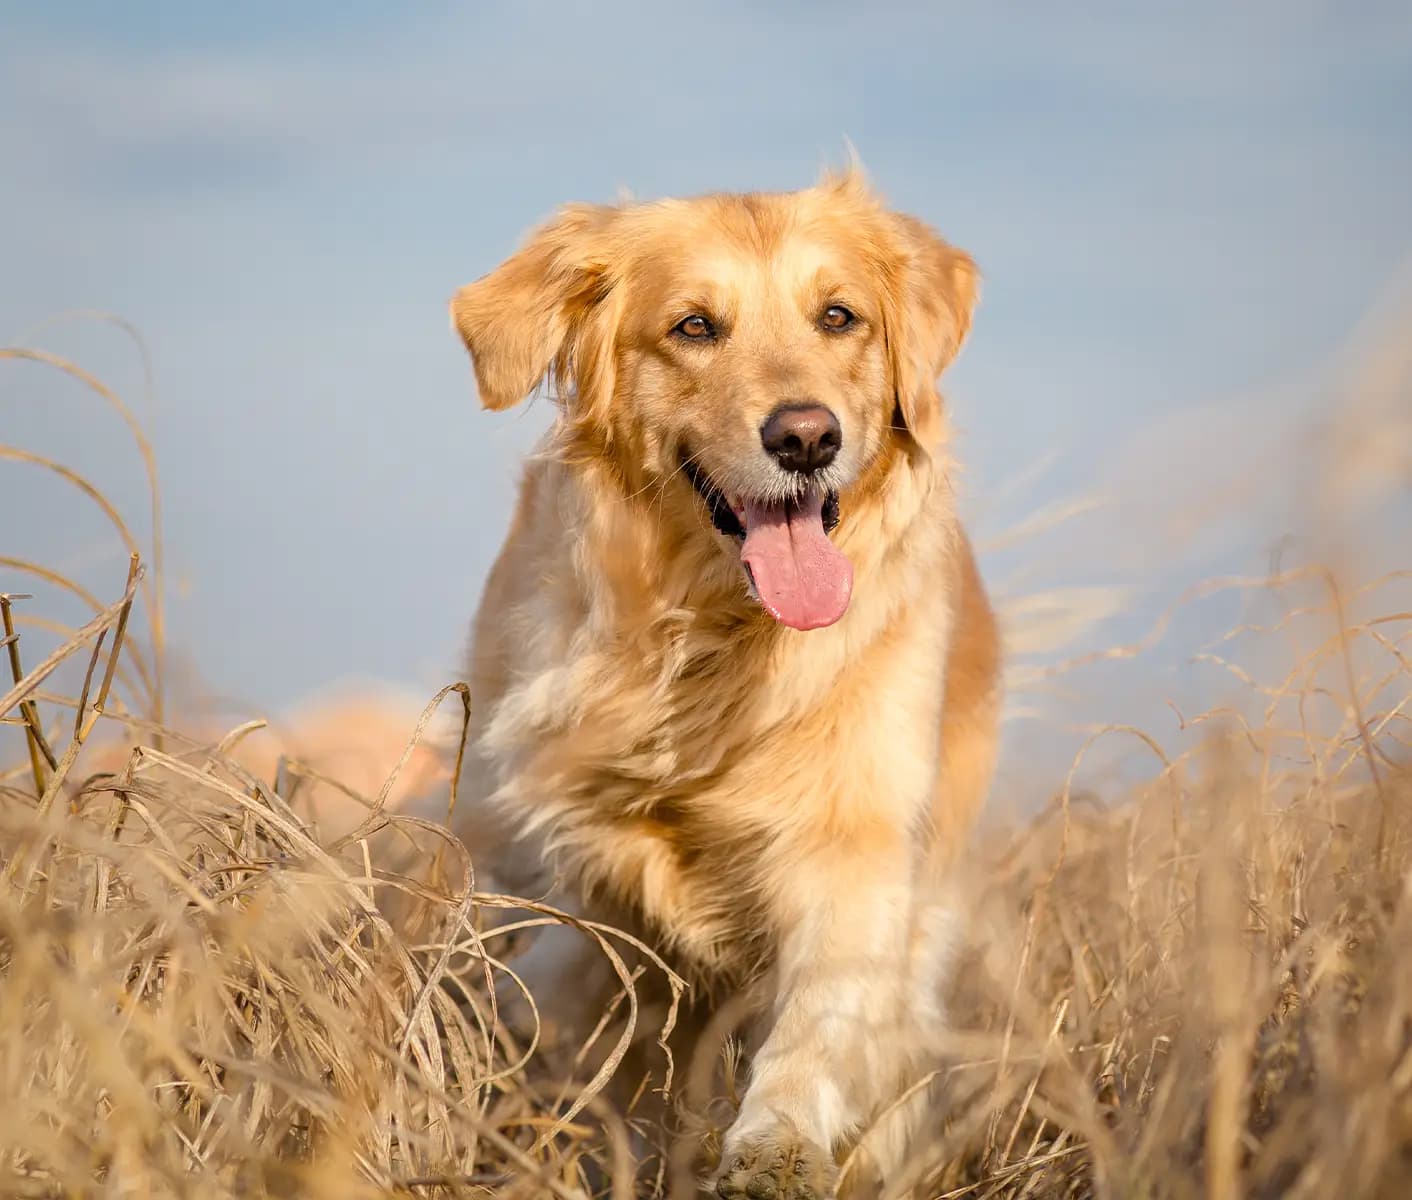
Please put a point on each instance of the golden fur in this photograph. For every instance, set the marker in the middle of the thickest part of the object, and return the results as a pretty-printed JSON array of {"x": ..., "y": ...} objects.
[{"x": 772, "y": 808}]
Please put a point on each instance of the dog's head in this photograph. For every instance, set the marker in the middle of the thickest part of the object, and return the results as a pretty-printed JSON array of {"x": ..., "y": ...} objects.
[{"x": 764, "y": 352}]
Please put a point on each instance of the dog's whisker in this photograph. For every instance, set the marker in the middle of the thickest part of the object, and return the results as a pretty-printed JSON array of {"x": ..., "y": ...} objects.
[
  {"x": 687, "y": 460},
  {"x": 660, "y": 484}
]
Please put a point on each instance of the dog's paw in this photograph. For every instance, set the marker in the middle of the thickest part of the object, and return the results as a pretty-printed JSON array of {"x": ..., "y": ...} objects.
[{"x": 783, "y": 1166}]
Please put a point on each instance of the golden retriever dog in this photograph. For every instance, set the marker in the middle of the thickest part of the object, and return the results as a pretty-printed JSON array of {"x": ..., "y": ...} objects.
[{"x": 734, "y": 672}]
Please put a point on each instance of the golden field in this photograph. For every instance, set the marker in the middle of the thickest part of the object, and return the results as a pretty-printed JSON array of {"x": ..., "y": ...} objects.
[{"x": 230, "y": 965}]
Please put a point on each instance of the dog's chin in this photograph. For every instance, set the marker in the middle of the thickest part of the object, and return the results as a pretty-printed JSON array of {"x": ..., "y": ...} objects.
[{"x": 790, "y": 564}]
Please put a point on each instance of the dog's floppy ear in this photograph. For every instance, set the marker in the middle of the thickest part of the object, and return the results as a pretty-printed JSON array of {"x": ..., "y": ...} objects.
[
  {"x": 516, "y": 321},
  {"x": 934, "y": 290}
]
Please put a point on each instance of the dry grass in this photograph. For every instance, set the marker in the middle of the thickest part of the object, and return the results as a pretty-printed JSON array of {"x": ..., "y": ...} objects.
[{"x": 1202, "y": 987}]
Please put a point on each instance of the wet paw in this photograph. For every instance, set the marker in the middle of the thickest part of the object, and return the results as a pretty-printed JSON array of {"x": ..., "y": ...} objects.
[{"x": 779, "y": 1167}]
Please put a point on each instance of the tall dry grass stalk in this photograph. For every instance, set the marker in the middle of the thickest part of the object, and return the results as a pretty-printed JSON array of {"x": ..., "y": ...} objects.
[{"x": 1201, "y": 988}]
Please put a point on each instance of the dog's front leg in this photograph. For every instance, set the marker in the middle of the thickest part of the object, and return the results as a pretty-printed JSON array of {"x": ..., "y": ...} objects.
[{"x": 842, "y": 1025}]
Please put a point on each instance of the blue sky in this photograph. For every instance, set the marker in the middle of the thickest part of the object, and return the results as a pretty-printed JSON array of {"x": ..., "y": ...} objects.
[{"x": 1183, "y": 214}]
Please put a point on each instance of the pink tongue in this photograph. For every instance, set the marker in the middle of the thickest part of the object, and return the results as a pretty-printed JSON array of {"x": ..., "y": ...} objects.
[{"x": 801, "y": 578}]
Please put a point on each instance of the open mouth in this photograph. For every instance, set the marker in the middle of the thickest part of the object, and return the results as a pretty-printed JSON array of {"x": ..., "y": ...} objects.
[{"x": 799, "y": 576}]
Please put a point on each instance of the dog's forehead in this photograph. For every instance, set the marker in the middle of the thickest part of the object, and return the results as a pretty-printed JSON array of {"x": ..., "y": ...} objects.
[{"x": 745, "y": 244}]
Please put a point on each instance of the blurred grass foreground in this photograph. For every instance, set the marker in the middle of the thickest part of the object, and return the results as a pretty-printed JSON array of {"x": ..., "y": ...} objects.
[{"x": 230, "y": 966}]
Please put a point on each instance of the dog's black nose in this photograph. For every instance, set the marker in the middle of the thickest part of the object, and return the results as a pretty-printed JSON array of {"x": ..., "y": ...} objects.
[{"x": 802, "y": 437}]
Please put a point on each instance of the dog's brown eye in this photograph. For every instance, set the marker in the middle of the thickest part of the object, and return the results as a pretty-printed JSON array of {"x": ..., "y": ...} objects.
[
  {"x": 695, "y": 327},
  {"x": 836, "y": 317}
]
